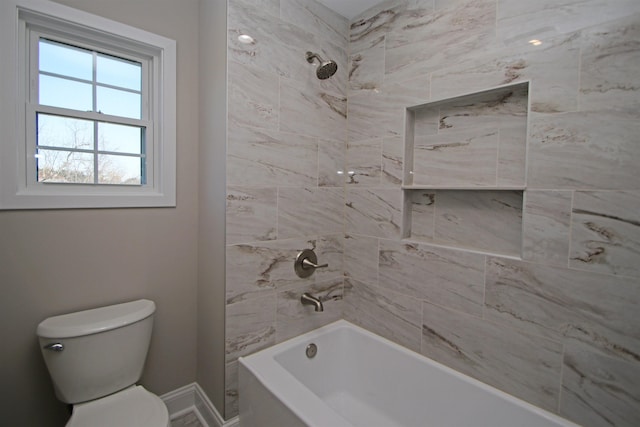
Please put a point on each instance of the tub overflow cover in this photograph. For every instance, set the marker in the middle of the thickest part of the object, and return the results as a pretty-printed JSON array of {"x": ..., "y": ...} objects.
[{"x": 312, "y": 350}]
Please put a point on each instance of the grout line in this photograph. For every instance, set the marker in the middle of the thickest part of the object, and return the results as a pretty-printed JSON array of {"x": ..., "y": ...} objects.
[
  {"x": 573, "y": 196},
  {"x": 433, "y": 220},
  {"x": 580, "y": 52},
  {"x": 484, "y": 288},
  {"x": 561, "y": 379},
  {"x": 497, "y": 181},
  {"x": 277, "y": 214}
]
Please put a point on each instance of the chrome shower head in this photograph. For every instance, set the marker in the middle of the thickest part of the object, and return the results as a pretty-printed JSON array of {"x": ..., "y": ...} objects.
[{"x": 326, "y": 69}]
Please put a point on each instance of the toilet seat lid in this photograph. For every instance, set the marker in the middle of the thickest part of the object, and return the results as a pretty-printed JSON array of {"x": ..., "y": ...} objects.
[{"x": 134, "y": 407}]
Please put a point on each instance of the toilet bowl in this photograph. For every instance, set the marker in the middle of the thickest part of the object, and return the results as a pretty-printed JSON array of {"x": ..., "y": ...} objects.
[
  {"x": 95, "y": 357},
  {"x": 134, "y": 406}
]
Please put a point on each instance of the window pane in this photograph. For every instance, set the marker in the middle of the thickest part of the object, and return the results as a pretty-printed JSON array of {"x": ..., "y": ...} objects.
[
  {"x": 120, "y": 138},
  {"x": 66, "y": 60},
  {"x": 64, "y": 166},
  {"x": 64, "y": 132},
  {"x": 119, "y": 170},
  {"x": 64, "y": 93},
  {"x": 119, "y": 72},
  {"x": 119, "y": 103}
]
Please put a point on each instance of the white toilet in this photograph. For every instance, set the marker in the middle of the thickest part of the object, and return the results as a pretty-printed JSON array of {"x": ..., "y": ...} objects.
[{"x": 95, "y": 358}]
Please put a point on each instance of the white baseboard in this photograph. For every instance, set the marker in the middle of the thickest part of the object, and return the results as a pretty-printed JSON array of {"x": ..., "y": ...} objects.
[{"x": 191, "y": 398}]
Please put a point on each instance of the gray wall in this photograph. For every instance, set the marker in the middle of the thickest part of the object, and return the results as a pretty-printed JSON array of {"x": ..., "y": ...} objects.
[
  {"x": 212, "y": 26},
  {"x": 52, "y": 262},
  {"x": 557, "y": 323}
]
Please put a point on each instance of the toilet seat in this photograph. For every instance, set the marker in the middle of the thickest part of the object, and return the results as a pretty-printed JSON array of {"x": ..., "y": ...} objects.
[{"x": 131, "y": 407}]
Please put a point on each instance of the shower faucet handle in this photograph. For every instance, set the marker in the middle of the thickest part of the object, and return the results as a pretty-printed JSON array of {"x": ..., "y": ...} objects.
[{"x": 306, "y": 263}]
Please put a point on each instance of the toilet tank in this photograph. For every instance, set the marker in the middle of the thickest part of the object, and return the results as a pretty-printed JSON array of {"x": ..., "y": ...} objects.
[{"x": 100, "y": 351}]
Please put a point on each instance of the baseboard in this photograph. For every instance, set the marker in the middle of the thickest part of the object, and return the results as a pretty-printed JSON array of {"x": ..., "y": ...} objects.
[{"x": 191, "y": 398}]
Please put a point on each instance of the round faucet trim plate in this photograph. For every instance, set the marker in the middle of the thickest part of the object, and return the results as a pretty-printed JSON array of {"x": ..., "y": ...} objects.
[{"x": 311, "y": 350}]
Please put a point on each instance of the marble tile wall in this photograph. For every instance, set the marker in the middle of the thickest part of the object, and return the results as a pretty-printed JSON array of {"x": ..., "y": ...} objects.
[
  {"x": 484, "y": 220},
  {"x": 285, "y": 173},
  {"x": 472, "y": 141},
  {"x": 555, "y": 322}
]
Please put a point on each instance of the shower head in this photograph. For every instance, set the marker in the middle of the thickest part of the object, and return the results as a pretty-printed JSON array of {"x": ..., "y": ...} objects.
[{"x": 326, "y": 69}]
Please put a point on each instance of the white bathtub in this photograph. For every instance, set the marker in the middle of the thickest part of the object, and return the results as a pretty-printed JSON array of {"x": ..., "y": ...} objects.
[{"x": 360, "y": 379}]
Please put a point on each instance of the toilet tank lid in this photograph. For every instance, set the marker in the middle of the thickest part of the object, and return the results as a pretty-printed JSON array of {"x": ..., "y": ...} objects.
[{"x": 96, "y": 320}]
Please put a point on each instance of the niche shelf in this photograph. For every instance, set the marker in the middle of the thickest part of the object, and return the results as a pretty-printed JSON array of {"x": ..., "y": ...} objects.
[{"x": 465, "y": 170}]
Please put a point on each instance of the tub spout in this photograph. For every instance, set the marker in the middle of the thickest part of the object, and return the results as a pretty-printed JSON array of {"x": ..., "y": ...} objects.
[{"x": 308, "y": 299}]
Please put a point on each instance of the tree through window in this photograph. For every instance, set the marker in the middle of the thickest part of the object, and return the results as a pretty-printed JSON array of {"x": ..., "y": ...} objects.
[
  {"x": 89, "y": 111},
  {"x": 102, "y": 147}
]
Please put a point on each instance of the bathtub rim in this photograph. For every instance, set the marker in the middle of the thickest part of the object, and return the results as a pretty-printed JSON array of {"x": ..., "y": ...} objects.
[
  {"x": 305, "y": 398},
  {"x": 302, "y": 402}
]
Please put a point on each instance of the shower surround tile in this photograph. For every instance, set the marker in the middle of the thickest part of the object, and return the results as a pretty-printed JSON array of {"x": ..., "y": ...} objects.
[
  {"x": 380, "y": 113},
  {"x": 250, "y": 326},
  {"x": 317, "y": 18},
  {"x": 306, "y": 110},
  {"x": 610, "y": 60},
  {"x": 446, "y": 277},
  {"x": 331, "y": 163},
  {"x": 286, "y": 139},
  {"x": 280, "y": 48},
  {"x": 596, "y": 310},
  {"x": 364, "y": 162},
  {"x": 255, "y": 270},
  {"x": 373, "y": 24},
  {"x": 243, "y": 18},
  {"x": 309, "y": 211},
  {"x": 248, "y": 272},
  {"x": 386, "y": 313},
  {"x": 598, "y": 390},
  {"x": 582, "y": 137},
  {"x": 463, "y": 158},
  {"x": 584, "y": 150},
  {"x": 253, "y": 97},
  {"x": 293, "y": 318},
  {"x": 361, "y": 258},
  {"x": 512, "y": 155},
  {"x": 260, "y": 157},
  {"x": 522, "y": 21},
  {"x": 392, "y": 161},
  {"x": 270, "y": 7},
  {"x": 374, "y": 212},
  {"x": 478, "y": 140},
  {"x": 330, "y": 250},
  {"x": 421, "y": 207},
  {"x": 496, "y": 108},
  {"x": 605, "y": 232},
  {"x": 482, "y": 220},
  {"x": 231, "y": 389},
  {"x": 422, "y": 39},
  {"x": 553, "y": 68},
  {"x": 524, "y": 365},
  {"x": 546, "y": 224},
  {"x": 251, "y": 214},
  {"x": 366, "y": 67}
]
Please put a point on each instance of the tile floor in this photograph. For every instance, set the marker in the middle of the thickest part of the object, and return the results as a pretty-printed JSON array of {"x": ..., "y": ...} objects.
[{"x": 187, "y": 420}]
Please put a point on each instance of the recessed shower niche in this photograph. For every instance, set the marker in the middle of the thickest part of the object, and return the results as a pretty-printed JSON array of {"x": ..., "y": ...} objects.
[{"x": 465, "y": 170}]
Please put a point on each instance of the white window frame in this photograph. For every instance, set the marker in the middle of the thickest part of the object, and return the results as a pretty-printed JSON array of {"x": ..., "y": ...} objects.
[{"x": 21, "y": 21}]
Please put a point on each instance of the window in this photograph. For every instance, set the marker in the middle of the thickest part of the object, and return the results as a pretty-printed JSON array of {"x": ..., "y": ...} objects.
[
  {"x": 94, "y": 112},
  {"x": 88, "y": 113}
]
